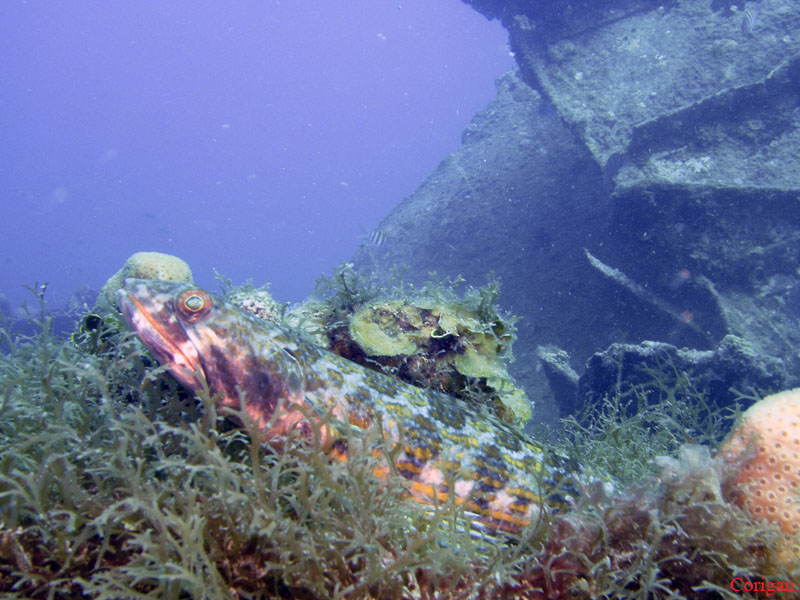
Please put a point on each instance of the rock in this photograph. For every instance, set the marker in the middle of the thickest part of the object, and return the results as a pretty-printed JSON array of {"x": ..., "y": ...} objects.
[
  {"x": 561, "y": 377},
  {"x": 660, "y": 369}
]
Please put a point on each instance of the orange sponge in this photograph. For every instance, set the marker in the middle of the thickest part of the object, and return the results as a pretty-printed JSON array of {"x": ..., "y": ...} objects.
[{"x": 766, "y": 446}]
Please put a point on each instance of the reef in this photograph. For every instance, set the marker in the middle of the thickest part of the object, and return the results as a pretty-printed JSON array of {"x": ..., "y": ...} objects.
[{"x": 115, "y": 483}]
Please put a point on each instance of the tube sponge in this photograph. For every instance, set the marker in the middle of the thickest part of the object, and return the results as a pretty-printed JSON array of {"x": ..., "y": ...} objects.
[{"x": 764, "y": 449}]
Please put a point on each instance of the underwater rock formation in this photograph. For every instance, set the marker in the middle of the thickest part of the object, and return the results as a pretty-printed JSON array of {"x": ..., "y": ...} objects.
[
  {"x": 723, "y": 374},
  {"x": 561, "y": 377},
  {"x": 636, "y": 179}
]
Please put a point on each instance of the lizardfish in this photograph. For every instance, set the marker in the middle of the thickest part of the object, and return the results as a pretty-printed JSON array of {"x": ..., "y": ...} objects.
[{"x": 449, "y": 446}]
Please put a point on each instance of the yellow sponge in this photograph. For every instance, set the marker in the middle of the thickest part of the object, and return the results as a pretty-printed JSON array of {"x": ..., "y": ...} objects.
[
  {"x": 144, "y": 265},
  {"x": 766, "y": 444}
]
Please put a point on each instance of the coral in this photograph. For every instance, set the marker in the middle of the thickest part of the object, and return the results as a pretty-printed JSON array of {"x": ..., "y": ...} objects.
[
  {"x": 143, "y": 265},
  {"x": 479, "y": 358},
  {"x": 307, "y": 320},
  {"x": 256, "y": 301},
  {"x": 445, "y": 344},
  {"x": 386, "y": 329},
  {"x": 512, "y": 403},
  {"x": 434, "y": 337},
  {"x": 765, "y": 449}
]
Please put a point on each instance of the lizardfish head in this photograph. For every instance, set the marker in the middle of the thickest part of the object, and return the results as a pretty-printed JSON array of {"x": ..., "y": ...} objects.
[
  {"x": 164, "y": 315},
  {"x": 206, "y": 342}
]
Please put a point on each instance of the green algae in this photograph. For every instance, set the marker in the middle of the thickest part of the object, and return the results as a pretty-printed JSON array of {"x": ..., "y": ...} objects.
[
  {"x": 630, "y": 428},
  {"x": 116, "y": 483}
]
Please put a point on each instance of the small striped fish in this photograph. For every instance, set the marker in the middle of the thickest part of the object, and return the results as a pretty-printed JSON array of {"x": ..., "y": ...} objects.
[
  {"x": 450, "y": 449},
  {"x": 750, "y": 18},
  {"x": 377, "y": 238}
]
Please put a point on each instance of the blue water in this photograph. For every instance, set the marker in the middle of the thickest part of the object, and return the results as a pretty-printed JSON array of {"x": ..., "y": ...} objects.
[{"x": 260, "y": 138}]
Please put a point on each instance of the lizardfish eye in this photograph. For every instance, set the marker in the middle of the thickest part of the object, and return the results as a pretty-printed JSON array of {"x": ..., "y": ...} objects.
[{"x": 193, "y": 305}]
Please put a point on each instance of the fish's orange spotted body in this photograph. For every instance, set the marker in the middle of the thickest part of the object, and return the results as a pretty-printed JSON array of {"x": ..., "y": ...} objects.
[{"x": 449, "y": 446}]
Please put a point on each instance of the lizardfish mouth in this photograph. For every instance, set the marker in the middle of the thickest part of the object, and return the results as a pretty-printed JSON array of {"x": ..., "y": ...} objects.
[{"x": 149, "y": 308}]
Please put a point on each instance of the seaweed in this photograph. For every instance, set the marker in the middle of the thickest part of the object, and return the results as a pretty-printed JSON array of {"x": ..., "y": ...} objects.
[
  {"x": 347, "y": 289},
  {"x": 113, "y": 485},
  {"x": 116, "y": 483},
  {"x": 656, "y": 416}
]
